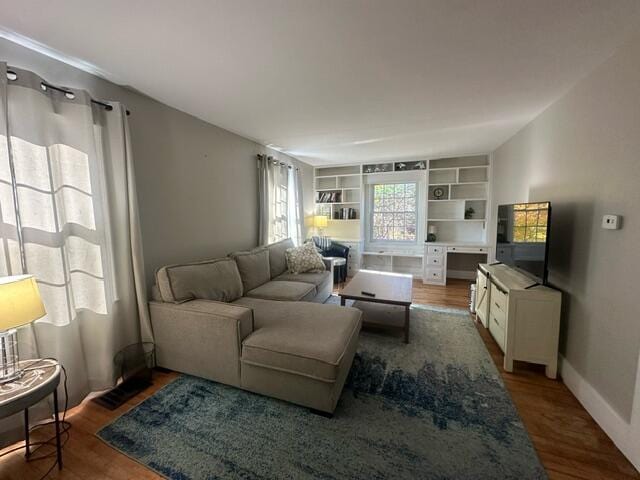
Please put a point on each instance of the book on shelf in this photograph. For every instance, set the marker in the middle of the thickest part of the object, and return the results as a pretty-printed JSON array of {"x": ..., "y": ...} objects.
[
  {"x": 329, "y": 197},
  {"x": 346, "y": 214}
]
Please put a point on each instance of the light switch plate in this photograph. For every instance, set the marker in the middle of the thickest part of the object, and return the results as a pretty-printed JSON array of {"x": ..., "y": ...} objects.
[{"x": 612, "y": 222}]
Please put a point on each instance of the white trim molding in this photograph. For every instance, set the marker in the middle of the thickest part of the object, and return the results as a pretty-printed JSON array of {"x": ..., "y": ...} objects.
[{"x": 626, "y": 435}]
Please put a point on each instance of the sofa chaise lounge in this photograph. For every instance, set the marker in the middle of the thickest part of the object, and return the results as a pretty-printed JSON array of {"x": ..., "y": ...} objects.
[{"x": 245, "y": 321}]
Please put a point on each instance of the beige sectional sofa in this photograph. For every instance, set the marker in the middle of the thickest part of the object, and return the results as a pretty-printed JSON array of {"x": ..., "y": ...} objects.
[{"x": 244, "y": 321}]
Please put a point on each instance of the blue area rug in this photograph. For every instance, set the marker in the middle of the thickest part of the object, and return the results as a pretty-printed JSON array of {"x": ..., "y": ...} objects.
[{"x": 433, "y": 409}]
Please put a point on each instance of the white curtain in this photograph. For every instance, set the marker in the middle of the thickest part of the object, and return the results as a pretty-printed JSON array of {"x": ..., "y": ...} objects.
[
  {"x": 281, "y": 211},
  {"x": 69, "y": 216},
  {"x": 296, "y": 206}
]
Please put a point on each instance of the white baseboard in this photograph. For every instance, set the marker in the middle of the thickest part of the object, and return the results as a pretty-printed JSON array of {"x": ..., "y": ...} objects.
[{"x": 616, "y": 427}]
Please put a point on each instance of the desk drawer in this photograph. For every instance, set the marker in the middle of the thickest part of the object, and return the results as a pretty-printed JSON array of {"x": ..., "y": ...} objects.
[
  {"x": 435, "y": 251},
  {"x": 436, "y": 261},
  {"x": 467, "y": 249},
  {"x": 434, "y": 274}
]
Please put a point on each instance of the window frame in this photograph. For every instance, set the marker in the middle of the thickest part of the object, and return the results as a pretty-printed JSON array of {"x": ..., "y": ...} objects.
[{"x": 371, "y": 211}]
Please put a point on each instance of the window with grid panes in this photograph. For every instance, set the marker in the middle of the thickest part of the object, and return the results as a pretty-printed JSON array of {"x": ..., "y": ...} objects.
[
  {"x": 530, "y": 222},
  {"x": 394, "y": 212}
]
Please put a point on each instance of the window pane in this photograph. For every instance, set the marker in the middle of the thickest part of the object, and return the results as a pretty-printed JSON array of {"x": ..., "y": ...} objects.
[
  {"x": 543, "y": 217},
  {"x": 519, "y": 234},
  {"x": 520, "y": 219},
  {"x": 530, "y": 236},
  {"x": 410, "y": 204},
  {"x": 394, "y": 212}
]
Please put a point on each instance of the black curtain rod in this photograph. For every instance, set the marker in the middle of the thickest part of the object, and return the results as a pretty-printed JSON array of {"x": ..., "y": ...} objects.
[
  {"x": 269, "y": 158},
  {"x": 69, "y": 92},
  {"x": 97, "y": 102}
]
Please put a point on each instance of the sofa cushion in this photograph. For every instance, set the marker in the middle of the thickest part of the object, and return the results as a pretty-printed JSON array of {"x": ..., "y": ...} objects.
[
  {"x": 301, "y": 338},
  {"x": 216, "y": 279},
  {"x": 277, "y": 290},
  {"x": 316, "y": 278},
  {"x": 253, "y": 267},
  {"x": 277, "y": 258},
  {"x": 304, "y": 259}
]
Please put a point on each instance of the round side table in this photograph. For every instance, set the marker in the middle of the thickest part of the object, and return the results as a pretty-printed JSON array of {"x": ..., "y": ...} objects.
[
  {"x": 337, "y": 262},
  {"x": 41, "y": 378}
]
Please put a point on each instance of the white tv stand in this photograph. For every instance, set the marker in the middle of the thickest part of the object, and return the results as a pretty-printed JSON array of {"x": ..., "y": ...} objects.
[{"x": 522, "y": 316}]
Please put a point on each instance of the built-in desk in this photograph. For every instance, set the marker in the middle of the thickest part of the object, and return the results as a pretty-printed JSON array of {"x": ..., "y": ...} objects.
[{"x": 454, "y": 260}]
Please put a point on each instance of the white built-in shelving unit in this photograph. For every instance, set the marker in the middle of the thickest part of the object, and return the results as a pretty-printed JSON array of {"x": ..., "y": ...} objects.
[
  {"x": 464, "y": 182},
  {"x": 338, "y": 192}
]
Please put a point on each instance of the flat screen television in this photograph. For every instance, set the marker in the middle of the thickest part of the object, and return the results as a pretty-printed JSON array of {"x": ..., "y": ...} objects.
[{"x": 522, "y": 239}]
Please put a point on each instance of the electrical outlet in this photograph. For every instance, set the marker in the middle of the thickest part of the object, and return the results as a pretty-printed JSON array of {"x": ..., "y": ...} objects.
[{"x": 612, "y": 222}]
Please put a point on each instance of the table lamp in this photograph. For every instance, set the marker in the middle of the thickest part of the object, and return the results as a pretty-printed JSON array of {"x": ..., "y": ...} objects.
[
  {"x": 431, "y": 233},
  {"x": 320, "y": 222},
  {"x": 20, "y": 304}
]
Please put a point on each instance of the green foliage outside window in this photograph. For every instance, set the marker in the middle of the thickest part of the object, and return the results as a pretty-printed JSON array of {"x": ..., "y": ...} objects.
[
  {"x": 530, "y": 222},
  {"x": 394, "y": 211}
]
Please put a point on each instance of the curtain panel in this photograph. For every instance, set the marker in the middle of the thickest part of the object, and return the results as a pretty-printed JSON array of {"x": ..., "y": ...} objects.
[
  {"x": 280, "y": 207},
  {"x": 69, "y": 216}
]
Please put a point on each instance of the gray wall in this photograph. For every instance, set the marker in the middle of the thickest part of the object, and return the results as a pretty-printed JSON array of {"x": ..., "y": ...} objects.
[
  {"x": 583, "y": 154},
  {"x": 197, "y": 183}
]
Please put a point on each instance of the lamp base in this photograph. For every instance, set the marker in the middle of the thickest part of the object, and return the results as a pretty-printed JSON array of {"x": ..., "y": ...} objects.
[{"x": 9, "y": 361}]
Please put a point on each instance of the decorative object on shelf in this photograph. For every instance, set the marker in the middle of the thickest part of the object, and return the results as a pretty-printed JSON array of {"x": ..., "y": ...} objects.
[
  {"x": 468, "y": 213},
  {"x": 419, "y": 166},
  {"x": 401, "y": 166},
  {"x": 438, "y": 193},
  {"x": 20, "y": 304},
  {"x": 431, "y": 233},
  {"x": 320, "y": 223},
  {"x": 378, "y": 168}
]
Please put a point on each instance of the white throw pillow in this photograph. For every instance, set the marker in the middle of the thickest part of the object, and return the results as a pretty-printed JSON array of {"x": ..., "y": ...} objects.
[{"x": 304, "y": 259}]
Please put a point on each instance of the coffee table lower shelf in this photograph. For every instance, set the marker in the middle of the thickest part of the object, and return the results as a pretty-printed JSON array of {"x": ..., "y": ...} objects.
[{"x": 379, "y": 316}]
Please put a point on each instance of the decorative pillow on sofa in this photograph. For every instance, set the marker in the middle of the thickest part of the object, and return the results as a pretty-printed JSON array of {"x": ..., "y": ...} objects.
[
  {"x": 254, "y": 267},
  {"x": 304, "y": 259},
  {"x": 216, "y": 279}
]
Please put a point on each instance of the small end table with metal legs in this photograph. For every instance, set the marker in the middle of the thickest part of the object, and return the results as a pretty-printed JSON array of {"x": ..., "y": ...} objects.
[
  {"x": 41, "y": 379},
  {"x": 339, "y": 262}
]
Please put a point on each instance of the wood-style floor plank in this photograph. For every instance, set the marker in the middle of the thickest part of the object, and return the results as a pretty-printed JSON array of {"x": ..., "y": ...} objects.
[{"x": 570, "y": 444}]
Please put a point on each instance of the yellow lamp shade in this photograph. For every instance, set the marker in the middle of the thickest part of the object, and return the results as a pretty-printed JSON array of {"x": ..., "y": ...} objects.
[
  {"x": 320, "y": 221},
  {"x": 20, "y": 301}
]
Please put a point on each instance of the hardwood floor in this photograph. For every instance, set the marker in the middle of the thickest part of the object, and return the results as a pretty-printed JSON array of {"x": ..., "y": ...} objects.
[{"x": 568, "y": 441}]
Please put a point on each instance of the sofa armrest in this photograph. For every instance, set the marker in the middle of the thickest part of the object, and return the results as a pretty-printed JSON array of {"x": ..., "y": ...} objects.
[{"x": 201, "y": 337}]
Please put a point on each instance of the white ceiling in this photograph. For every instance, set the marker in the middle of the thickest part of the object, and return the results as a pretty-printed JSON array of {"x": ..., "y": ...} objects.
[{"x": 342, "y": 80}]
